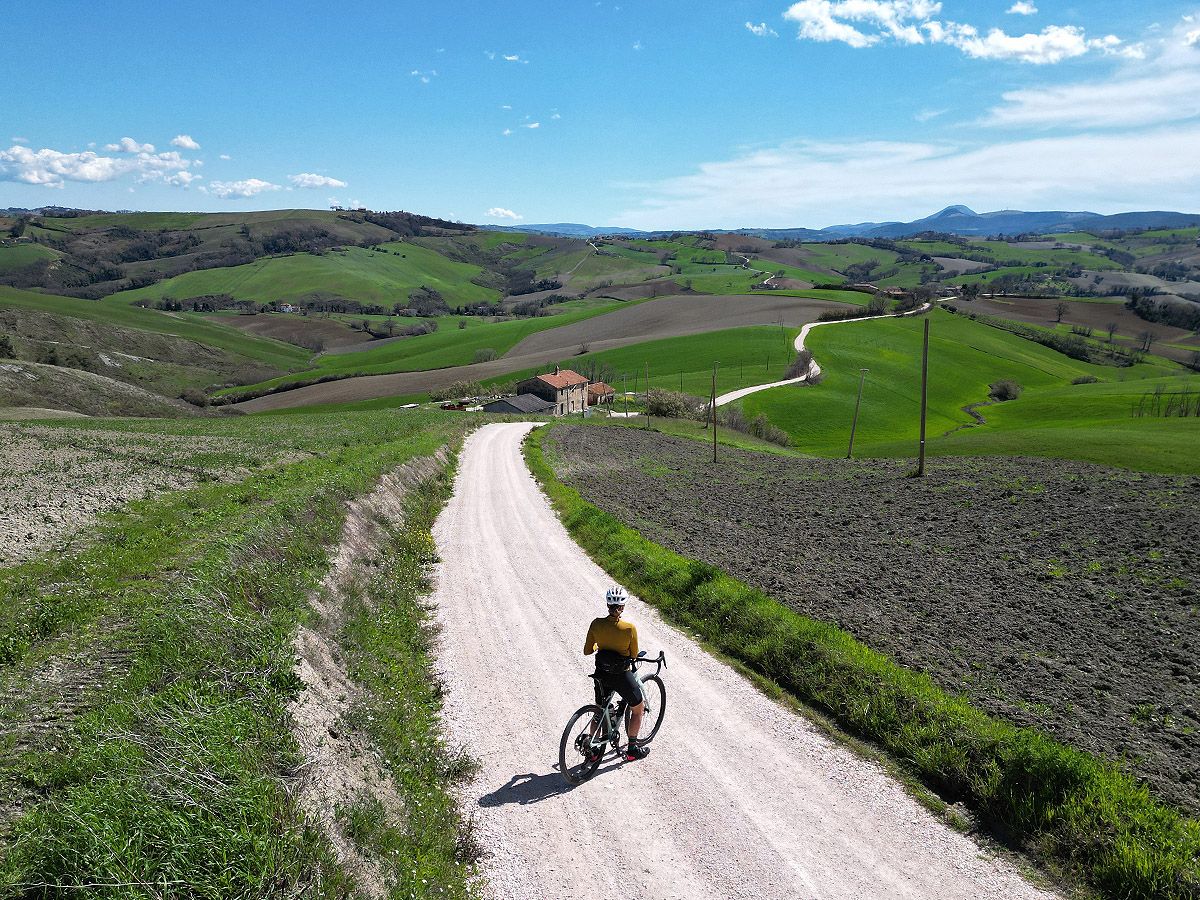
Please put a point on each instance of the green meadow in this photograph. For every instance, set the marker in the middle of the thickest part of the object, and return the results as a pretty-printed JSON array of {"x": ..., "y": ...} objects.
[
  {"x": 1052, "y": 417},
  {"x": 354, "y": 273},
  {"x": 18, "y": 256}
]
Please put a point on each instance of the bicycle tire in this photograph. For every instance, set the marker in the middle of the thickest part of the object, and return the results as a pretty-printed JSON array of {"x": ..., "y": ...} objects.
[
  {"x": 574, "y": 767},
  {"x": 654, "y": 694}
]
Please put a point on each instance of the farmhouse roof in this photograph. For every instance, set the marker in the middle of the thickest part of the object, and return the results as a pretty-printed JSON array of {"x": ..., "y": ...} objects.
[
  {"x": 599, "y": 387},
  {"x": 522, "y": 403},
  {"x": 562, "y": 378}
]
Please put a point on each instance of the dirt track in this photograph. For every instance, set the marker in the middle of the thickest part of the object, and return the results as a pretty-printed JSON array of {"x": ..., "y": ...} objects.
[
  {"x": 739, "y": 797},
  {"x": 668, "y": 317}
]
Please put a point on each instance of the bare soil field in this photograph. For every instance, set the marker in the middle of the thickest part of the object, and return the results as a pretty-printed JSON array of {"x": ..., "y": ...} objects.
[
  {"x": 1058, "y": 595},
  {"x": 1041, "y": 311},
  {"x": 55, "y": 481},
  {"x": 668, "y": 317},
  {"x": 310, "y": 332},
  {"x": 1105, "y": 280},
  {"x": 953, "y": 266},
  {"x": 676, "y": 316}
]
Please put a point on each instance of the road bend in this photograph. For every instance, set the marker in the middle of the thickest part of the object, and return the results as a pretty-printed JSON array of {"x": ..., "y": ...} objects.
[{"x": 738, "y": 798}]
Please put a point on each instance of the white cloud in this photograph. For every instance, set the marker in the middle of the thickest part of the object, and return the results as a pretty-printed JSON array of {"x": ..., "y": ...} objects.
[
  {"x": 513, "y": 57},
  {"x": 240, "y": 190},
  {"x": 226, "y": 156},
  {"x": 637, "y": 45},
  {"x": 490, "y": 54},
  {"x": 865, "y": 23},
  {"x": 54, "y": 168},
  {"x": 499, "y": 212},
  {"x": 185, "y": 142},
  {"x": 20, "y": 140},
  {"x": 309, "y": 180},
  {"x": 804, "y": 183},
  {"x": 762, "y": 29},
  {"x": 1122, "y": 102},
  {"x": 1165, "y": 88},
  {"x": 532, "y": 125},
  {"x": 1022, "y": 8},
  {"x": 506, "y": 106},
  {"x": 506, "y": 132},
  {"x": 927, "y": 115},
  {"x": 555, "y": 116},
  {"x": 129, "y": 145},
  {"x": 1191, "y": 39}
]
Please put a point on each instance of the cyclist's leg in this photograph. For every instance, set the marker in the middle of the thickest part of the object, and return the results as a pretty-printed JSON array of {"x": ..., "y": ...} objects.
[{"x": 630, "y": 690}]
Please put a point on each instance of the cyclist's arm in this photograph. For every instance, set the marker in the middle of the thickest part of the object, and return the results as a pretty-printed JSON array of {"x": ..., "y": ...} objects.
[
  {"x": 589, "y": 642},
  {"x": 633, "y": 644}
]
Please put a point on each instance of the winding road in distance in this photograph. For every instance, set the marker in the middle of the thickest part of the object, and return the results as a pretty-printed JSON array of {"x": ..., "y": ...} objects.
[{"x": 740, "y": 798}]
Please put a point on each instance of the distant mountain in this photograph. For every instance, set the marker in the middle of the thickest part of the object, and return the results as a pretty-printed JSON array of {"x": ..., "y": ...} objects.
[{"x": 959, "y": 220}]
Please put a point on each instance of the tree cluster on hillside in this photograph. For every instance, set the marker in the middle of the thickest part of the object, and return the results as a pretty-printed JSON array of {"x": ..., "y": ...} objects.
[
  {"x": 524, "y": 281},
  {"x": 425, "y": 301},
  {"x": 406, "y": 224},
  {"x": 1184, "y": 314}
]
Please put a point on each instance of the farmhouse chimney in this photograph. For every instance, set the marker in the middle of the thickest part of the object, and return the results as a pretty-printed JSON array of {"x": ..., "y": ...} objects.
[{"x": 556, "y": 370}]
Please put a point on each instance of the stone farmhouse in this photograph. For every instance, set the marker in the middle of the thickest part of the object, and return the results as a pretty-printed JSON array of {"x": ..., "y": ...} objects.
[
  {"x": 599, "y": 393},
  {"x": 566, "y": 389}
]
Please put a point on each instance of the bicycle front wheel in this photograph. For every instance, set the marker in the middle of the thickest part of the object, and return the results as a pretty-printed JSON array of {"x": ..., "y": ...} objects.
[
  {"x": 654, "y": 694},
  {"x": 583, "y": 744}
]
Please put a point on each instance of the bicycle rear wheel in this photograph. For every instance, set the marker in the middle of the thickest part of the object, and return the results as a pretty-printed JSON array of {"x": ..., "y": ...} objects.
[
  {"x": 583, "y": 743},
  {"x": 654, "y": 694}
]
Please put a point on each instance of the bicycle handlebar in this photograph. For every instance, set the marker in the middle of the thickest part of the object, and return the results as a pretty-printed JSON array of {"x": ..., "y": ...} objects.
[{"x": 660, "y": 660}]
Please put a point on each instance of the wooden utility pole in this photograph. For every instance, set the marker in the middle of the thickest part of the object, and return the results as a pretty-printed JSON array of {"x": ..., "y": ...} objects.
[
  {"x": 713, "y": 406},
  {"x": 924, "y": 396},
  {"x": 857, "y": 403},
  {"x": 625, "y": 391},
  {"x": 647, "y": 394}
]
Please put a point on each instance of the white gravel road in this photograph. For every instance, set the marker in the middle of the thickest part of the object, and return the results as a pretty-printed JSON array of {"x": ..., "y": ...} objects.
[{"x": 739, "y": 798}]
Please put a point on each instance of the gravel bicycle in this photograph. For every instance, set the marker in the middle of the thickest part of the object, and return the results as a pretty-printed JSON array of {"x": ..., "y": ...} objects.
[{"x": 596, "y": 727}]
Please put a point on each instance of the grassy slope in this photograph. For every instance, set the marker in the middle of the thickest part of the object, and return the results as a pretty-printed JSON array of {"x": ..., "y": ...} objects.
[
  {"x": 354, "y": 273},
  {"x": 274, "y": 353},
  {"x": 746, "y": 356},
  {"x": 175, "y": 770},
  {"x": 1051, "y": 418},
  {"x": 18, "y": 256}
]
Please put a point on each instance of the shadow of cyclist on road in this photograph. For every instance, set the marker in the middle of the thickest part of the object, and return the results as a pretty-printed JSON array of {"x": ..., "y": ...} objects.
[{"x": 531, "y": 788}]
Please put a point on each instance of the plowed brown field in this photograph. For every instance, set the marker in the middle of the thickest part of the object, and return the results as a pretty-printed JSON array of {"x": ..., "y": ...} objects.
[{"x": 1059, "y": 595}]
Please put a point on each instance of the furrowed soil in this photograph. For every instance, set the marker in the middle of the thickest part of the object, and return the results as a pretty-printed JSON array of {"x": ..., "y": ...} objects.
[
  {"x": 55, "y": 481},
  {"x": 1057, "y": 595}
]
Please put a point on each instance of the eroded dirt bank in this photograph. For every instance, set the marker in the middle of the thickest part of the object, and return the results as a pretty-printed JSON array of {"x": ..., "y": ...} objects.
[{"x": 1056, "y": 594}]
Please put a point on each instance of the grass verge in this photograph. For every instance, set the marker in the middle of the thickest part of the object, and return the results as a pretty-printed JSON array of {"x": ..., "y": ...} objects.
[{"x": 1066, "y": 807}]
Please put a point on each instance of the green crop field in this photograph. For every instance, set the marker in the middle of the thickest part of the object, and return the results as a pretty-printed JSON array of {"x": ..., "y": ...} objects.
[
  {"x": 1052, "y": 417},
  {"x": 1065, "y": 257},
  {"x": 18, "y": 256},
  {"x": 745, "y": 356},
  {"x": 265, "y": 350},
  {"x": 355, "y": 273},
  {"x": 988, "y": 277},
  {"x": 839, "y": 256},
  {"x": 149, "y": 221}
]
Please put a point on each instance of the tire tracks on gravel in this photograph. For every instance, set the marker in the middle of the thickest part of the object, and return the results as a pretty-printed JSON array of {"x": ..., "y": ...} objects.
[{"x": 739, "y": 798}]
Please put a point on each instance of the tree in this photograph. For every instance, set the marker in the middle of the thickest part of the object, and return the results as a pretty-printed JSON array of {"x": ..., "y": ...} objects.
[
  {"x": 6, "y": 348},
  {"x": 1111, "y": 328},
  {"x": 1060, "y": 310},
  {"x": 462, "y": 323}
]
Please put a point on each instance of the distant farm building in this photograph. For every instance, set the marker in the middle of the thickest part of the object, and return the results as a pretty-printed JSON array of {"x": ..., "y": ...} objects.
[
  {"x": 566, "y": 389},
  {"x": 522, "y": 404},
  {"x": 599, "y": 393}
]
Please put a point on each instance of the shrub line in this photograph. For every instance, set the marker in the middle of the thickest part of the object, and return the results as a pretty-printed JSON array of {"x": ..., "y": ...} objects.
[{"x": 1066, "y": 807}]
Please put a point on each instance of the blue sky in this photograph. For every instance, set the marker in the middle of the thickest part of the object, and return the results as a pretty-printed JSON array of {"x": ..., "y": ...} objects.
[{"x": 654, "y": 114}]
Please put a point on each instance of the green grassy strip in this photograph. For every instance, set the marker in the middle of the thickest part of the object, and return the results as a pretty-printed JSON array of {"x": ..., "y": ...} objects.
[
  {"x": 1064, "y": 805},
  {"x": 388, "y": 641},
  {"x": 173, "y": 780}
]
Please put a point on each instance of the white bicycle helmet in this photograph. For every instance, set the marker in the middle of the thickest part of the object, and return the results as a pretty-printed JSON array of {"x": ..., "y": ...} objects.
[{"x": 616, "y": 596}]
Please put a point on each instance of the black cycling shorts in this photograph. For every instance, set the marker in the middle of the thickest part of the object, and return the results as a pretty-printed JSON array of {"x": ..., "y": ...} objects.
[{"x": 624, "y": 683}]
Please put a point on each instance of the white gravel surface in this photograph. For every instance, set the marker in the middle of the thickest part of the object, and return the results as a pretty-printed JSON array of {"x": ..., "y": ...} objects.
[{"x": 739, "y": 797}]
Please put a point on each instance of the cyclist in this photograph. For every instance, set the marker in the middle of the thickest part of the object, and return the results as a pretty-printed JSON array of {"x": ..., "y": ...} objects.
[{"x": 615, "y": 644}]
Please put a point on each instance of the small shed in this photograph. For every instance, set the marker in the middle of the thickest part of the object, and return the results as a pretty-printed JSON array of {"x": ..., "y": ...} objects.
[
  {"x": 522, "y": 404},
  {"x": 599, "y": 392}
]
